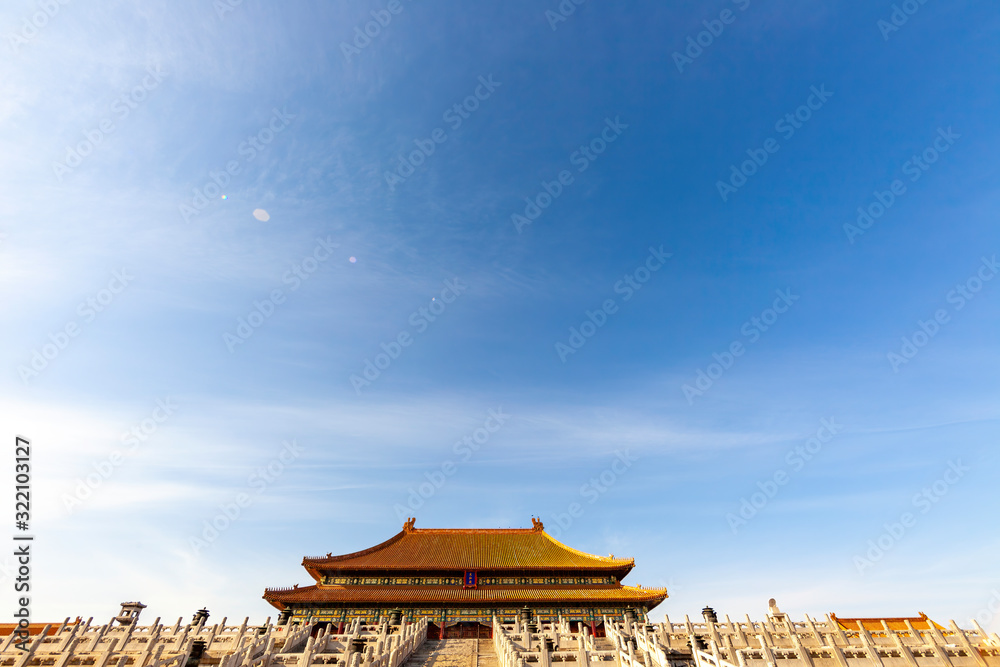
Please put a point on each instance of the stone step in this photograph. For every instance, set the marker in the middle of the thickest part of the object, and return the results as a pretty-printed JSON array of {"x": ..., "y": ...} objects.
[
  {"x": 487, "y": 656},
  {"x": 444, "y": 653}
]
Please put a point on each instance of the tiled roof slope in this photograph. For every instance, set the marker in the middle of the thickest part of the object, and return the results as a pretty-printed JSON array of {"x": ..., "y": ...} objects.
[
  {"x": 921, "y": 622},
  {"x": 469, "y": 549},
  {"x": 505, "y": 595}
]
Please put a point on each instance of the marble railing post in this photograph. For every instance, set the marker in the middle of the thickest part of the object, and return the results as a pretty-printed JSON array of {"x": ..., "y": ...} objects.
[
  {"x": 804, "y": 652},
  {"x": 97, "y": 638},
  {"x": 820, "y": 641},
  {"x": 154, "y": 640},
  {"x": 27, "y": 655},
  {"x": 995, "y": 640},
  {"x": 107, "y": 654},
  {"x": 903, "y": 649},
  {"x": 963, "y": 641},
  {"x": 869, "y": 646},
  {"x": 582, "y": 658},
  {"x": 70, "y": 636}
]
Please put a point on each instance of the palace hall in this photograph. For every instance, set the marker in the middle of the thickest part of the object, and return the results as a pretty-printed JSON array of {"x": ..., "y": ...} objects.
[{"x": 459, "y": 579}]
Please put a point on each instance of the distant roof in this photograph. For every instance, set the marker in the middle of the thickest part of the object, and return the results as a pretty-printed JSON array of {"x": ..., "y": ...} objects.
[
  {"x": 513, "y": 596},
  {"x": 36, "y": 628},
  {"x": 920, "y": 622},
  {"x": 470, "y": 549}
]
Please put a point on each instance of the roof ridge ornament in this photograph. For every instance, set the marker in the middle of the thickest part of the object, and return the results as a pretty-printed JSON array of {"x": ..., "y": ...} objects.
[
  {"x": 408, "y": 526},
  {"x": 537, "y": 525}
]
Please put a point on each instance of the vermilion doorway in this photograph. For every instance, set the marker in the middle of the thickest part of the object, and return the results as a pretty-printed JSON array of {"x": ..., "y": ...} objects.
[{"x": 467, "y": 630}]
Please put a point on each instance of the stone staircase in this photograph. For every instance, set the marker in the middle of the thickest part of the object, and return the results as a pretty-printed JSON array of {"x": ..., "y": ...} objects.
[
  {"x": 603, "y": 644},
  {"x": 451, "y": 653},
  {"x": 487, "y": 655}
]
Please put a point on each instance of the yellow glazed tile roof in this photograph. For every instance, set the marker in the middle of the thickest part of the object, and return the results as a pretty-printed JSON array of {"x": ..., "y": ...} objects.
[
  {"x": 507, "y": 595},
  {"x": 469, "y": 549},
  {"x": 921, "y": 622}
]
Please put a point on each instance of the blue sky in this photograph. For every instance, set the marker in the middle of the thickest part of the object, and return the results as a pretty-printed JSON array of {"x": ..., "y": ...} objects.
[{"x": 736, "y": 324}]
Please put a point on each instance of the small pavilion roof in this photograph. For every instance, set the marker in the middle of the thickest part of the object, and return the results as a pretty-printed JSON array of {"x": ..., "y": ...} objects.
[{"x": 874, "y": 624}]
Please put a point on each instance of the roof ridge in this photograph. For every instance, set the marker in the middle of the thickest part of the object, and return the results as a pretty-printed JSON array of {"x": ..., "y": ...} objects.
[
  {"x": 470, "y": 548},
  {"x": 364, "y": 552},
  {"x": 473, "y": 530},
  {"x": 881, "y": 618}
]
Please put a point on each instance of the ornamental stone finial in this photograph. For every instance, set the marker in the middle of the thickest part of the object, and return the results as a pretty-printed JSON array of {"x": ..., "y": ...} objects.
[{"x": 537, "y": 525}]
